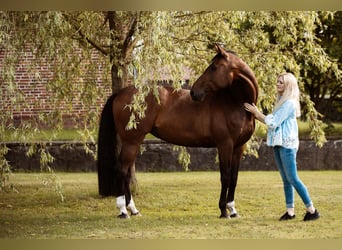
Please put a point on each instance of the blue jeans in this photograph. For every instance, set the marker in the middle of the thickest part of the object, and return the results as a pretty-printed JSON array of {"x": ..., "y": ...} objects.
[{"x": 285, "y": 159}]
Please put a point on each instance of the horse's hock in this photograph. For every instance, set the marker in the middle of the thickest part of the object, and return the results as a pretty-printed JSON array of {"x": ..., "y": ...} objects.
[{"x": 159, "y": 156}]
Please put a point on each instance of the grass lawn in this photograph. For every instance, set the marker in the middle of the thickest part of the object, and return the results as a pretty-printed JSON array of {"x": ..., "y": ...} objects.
[
  {"x": 334, "y": 130},
  {"x": 181, "y": 205}
]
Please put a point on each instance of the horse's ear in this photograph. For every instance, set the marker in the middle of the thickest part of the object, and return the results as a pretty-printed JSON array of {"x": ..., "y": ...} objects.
[{"x": 220, "y": 50}]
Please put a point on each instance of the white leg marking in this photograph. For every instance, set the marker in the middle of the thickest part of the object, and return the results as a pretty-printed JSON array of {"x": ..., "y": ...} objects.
[
  {"x": 121, "y": 204},
  {"x": 131, "y": 206},
  {"x": 231, "y": 208}
]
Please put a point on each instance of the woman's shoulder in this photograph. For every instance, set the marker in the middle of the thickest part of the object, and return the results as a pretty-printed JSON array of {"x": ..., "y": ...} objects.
[
  {"x": 288, "y": 106},
  {"x": 290, "y": 103}
]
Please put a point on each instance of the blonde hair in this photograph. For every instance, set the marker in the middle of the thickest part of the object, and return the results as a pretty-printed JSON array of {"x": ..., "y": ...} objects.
[{"x": 291, "y": 92}]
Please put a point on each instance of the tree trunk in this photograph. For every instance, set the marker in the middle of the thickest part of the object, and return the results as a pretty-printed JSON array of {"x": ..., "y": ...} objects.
[{"x": 116, "y": 80}]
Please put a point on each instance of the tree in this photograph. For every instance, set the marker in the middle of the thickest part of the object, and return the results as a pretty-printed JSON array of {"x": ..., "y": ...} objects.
[
  {"x": 322, "y": 83},
  {"x": 270, "y": 42},
  {"x": 53, "y": 36},
  {"x": 147, "y": 46}
]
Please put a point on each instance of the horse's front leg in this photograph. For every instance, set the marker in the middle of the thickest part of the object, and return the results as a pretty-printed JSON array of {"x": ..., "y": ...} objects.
[
  {"x": 225, "y": 165},
  {"x": 223, "y": 195},
  {"x": 233, "y": 181}
]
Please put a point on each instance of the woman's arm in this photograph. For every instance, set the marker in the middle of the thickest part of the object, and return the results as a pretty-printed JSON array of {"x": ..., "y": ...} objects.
[
  {"x": 254, "y": 110},
  {"x": 273, "y": 120}
]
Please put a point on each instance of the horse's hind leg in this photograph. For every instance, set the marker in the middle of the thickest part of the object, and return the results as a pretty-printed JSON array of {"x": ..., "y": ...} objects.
[
  {"x": 124, "y": 200},
  {"x": 123, "y": 193},
  {"x": 131, "y": 206}
]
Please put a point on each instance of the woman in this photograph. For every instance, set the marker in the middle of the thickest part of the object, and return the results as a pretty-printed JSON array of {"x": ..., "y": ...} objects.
[{"x": 282, "y": 136}]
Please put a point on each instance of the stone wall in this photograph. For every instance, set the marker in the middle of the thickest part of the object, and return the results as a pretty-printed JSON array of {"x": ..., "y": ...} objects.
[{"x": 159, "y": 156}]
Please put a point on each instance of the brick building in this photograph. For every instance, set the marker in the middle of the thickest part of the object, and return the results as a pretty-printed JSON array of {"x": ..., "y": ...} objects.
[{"x": 36, "y": 97}]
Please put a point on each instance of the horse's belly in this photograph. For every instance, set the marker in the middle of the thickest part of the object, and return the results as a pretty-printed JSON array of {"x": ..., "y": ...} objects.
[{"x": 182, "y": 138}]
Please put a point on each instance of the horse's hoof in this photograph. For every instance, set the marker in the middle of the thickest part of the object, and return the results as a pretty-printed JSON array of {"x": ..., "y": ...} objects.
[
  {"x": 235, "y": 215},
  {"x": 138, "y": 214},
  {"x": 123, "y": 216},
  {"x": 224, "y": 216}
]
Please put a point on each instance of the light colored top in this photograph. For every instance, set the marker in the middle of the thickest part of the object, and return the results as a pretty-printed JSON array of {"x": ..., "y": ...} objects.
[{"x": 282, "y": 126}]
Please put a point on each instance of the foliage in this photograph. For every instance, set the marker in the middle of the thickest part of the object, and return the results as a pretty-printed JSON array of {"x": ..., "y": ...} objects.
[
  {"x": 49, "y": 37},
  {"x": 5, "y": 168},
  {"x": 184, "y": 157},
  {"x": 324, "y": 84},
  {"x": 147, "y": 46}
]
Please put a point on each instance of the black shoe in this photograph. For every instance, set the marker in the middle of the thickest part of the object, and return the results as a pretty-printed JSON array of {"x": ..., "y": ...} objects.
[
  {"x": 286, "y": 216},
  {"x": 310, "y": 216}
]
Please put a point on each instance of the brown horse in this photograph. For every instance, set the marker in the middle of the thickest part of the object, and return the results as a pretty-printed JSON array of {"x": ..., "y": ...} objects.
[{"x": 210, "y": 115}]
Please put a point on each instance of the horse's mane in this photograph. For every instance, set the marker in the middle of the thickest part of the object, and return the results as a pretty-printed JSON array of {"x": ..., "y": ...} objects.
[{"x": 232, "y": 52}]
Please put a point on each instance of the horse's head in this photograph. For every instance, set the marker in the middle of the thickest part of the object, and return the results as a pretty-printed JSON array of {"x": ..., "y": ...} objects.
[{"x": 224, "y": 70}]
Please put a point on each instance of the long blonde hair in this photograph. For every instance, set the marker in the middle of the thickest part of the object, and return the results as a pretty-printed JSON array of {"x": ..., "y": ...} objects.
[{"x": 291, "y": 92}]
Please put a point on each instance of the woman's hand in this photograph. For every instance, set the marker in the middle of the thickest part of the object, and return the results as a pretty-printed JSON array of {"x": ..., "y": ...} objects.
[
  {"x": 255, "y": 111},
  {"x": 251, "y": 108}
]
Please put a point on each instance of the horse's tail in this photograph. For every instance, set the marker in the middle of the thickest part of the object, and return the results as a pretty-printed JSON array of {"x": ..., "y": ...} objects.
[{"x": 106, "y": 152}]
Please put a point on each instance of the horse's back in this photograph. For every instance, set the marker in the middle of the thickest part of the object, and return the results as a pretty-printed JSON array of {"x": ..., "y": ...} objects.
[
  {"x": 182, "y": 121},
  {"x": 122, "y": 113},
  {"x": 163, "y": 113},
  {"x": 176, "y": 118}
]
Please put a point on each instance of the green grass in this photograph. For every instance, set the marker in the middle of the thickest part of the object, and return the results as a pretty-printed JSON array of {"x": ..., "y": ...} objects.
[
  {"x": 180, "y": 205},
  {"x": 332, "y": 130},
  {"x": 46, "y": 134}
]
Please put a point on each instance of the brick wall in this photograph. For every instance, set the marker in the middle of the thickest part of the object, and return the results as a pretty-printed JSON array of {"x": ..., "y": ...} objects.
[{"x": 31, "y": 85}]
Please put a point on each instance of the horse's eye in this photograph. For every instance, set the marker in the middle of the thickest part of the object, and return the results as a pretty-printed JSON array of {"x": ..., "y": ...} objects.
[{"x": 213, "y": 67}]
